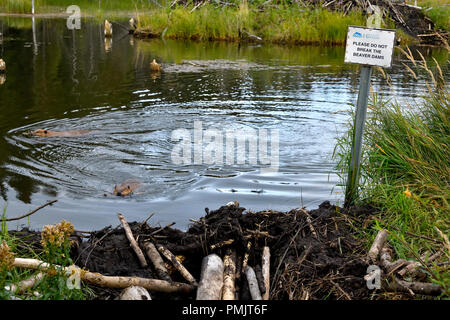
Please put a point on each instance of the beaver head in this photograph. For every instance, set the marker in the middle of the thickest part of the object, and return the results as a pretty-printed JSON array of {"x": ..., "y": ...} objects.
[
  {"x": 41, "y": 132},
  {"x": 122, "y": 191}
]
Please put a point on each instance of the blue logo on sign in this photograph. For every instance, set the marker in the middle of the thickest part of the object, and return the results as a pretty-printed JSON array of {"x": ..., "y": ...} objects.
[{"x": 357, "y": 35}]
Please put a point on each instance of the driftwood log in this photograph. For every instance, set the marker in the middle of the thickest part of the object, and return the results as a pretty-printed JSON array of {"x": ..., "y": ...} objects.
[
  {"x": 253, "y": 283},
  {"x": 424, "y": 288},
  {"x": 229, "y": 275},
  {"x": 266, "y": 271},
  {"x": 158, "y": 263},
  {"x": 25, "y": 284},
  {"x": 133, "y": 242},
  {"x": 211, "y": 278},
  {"x": 107, "y": 281},
  {"x": 260, "y": 279},
  {"x": 377, "y": 245},
  {"x": 183, "y": 271}
]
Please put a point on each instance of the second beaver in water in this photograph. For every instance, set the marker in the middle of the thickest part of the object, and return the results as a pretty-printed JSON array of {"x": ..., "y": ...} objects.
[
  {"x": 126, "y": 188},
  {"x": 49, "y": 133}
]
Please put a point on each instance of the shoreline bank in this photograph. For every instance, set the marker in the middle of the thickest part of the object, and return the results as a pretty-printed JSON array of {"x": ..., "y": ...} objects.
[
  {"x": 277, "y": 24},
  {"x": 308, "y": 250}
]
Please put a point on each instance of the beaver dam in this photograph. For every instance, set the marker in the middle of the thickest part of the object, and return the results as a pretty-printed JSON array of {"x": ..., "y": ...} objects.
[{"x": 235, "y": 254}]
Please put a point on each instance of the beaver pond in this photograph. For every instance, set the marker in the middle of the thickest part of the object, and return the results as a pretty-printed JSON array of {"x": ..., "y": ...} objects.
[{"x": 74, "y": 81}]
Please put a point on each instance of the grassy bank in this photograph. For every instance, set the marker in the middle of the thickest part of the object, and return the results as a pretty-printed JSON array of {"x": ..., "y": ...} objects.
[
  {"x": 438, "y": 11},
  {"x": 285, "y": 22},
  {"x": 281, "y": 24},
  {"x": 405, "y": 172}
]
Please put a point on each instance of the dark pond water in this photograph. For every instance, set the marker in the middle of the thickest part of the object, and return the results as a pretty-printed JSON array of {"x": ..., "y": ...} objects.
[{"x": 63, "y": 80}]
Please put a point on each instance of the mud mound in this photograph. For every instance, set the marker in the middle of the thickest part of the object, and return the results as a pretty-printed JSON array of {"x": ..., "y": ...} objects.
[{"x": 313, "y": 254}]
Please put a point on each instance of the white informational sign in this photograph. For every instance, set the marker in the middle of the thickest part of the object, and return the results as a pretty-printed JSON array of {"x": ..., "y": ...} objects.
[{"x": 369, "y": 46}]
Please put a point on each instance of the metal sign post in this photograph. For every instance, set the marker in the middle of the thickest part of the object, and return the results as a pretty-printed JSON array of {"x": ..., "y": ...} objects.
[
  {"x": 369, "y": 47},
  {"x": 351, "y": 191}
]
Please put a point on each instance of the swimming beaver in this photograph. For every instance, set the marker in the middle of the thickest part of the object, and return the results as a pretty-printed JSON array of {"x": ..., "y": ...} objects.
[
  {"x": 49, "y": 133},
  {"x": 126, "y": 188}
]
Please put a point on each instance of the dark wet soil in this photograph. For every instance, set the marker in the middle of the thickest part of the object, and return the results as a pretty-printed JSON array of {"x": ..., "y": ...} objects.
[
  {"x": 315, "y": 260},
  {"x": 309, "y": 260}
]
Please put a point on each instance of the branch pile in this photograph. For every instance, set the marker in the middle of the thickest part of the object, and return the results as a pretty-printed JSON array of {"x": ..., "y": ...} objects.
[{"x": 396, "y": 275}]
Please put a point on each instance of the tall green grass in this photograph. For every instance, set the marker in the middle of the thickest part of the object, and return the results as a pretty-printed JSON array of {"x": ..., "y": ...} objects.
[
  {"x": 281, "y": 24},
  {"x": 406, "y": 169},
  {"x": 438, "y": 11}
]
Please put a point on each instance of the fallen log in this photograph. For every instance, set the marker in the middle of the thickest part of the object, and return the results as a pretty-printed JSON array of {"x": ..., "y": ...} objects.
[
  {"x": 266, "y": 271},
  {"x": 211, "y": 278},
  {"x": 134, "y": 293},
  {"x": 133, "y": 242},
  {"x": 229, "y": 275},
  {"x": 158, "y": 263},
  {"x": 171, "y": 257},
  {"x": 25, "y": 284},
  {"x": 377, "y": 245},
  {"x": 107, "y": 281},
  {"x": 260, "y": 279},
  {"x": 424, "y": 288},
  {"x": 252, "y": 283}
]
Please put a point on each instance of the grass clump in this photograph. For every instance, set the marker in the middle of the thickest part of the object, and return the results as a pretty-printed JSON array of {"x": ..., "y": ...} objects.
[{"x": 405, "y": 171}]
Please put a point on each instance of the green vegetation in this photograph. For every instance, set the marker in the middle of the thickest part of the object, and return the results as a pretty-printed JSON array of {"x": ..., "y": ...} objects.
[
  {"x": 15, "y": 6},
  {"x": 405, "y": 171},
  {"x": 281, "y": 24},
  {"x": 286, "y": 22},
  {"x": 56, "y": 251},
  {"x": 438, "y": 11}
]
